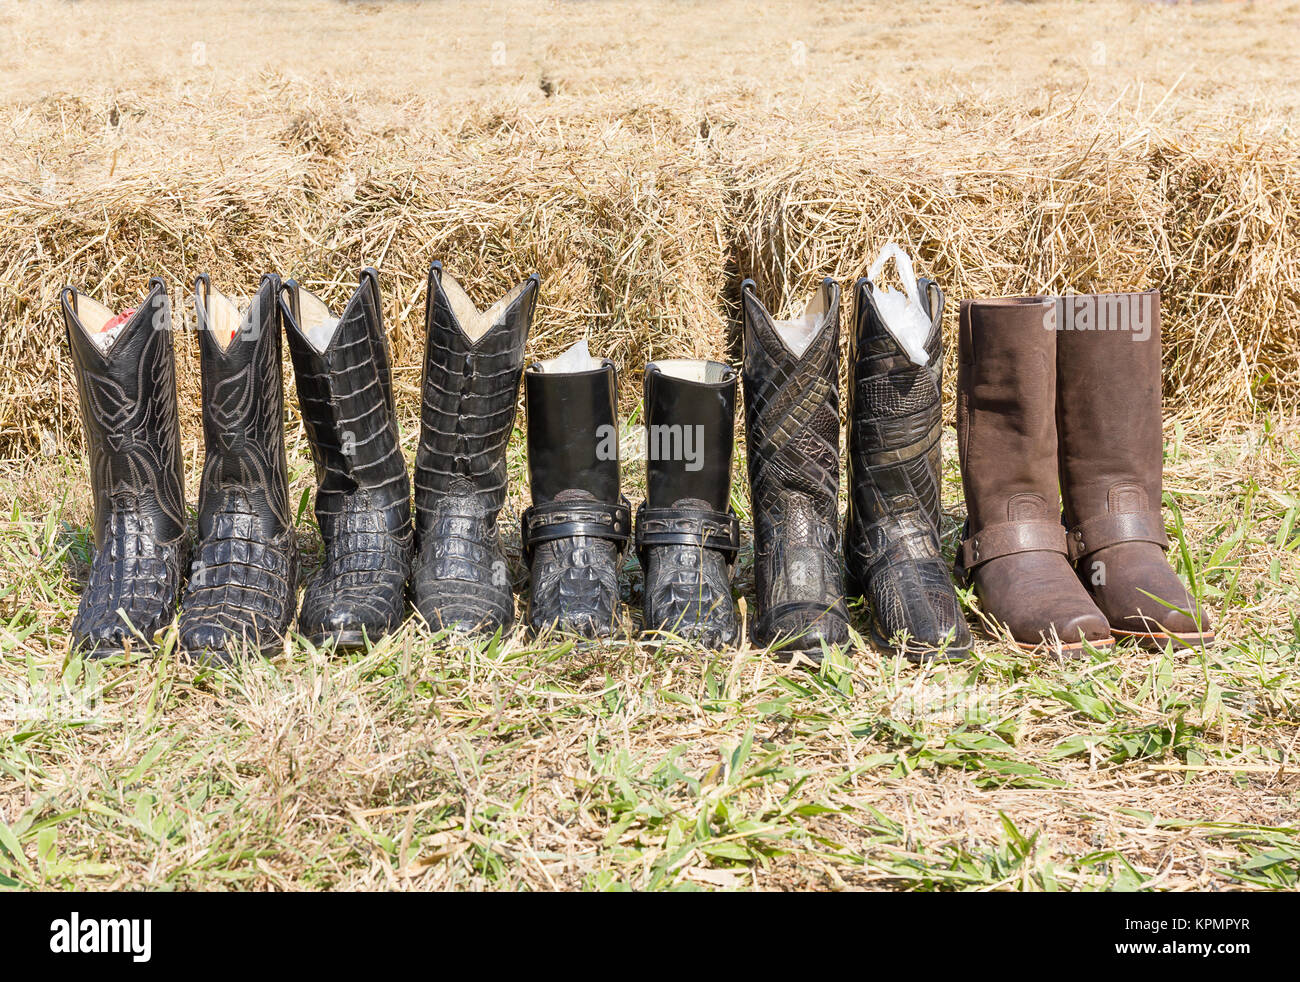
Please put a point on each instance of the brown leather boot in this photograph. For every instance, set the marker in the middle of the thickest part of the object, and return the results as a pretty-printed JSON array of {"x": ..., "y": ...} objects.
[
  {"x": 1014, "y": 545},
  {"x": 1108, "y": 419}
]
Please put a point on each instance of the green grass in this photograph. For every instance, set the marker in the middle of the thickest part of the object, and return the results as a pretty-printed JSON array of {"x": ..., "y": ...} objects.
[{"x": 518, "y": 764}]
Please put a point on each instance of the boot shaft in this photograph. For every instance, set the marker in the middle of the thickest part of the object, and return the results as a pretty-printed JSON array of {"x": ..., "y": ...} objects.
[
  {"x": 895, "y": 415},
  {"x": 127, "y": 390},
  {"x": 472, "y": 365},
  {"x": 792, "y": 402},
  {"x": 1108, "y": 403},
  {"x": 342, "y": 367},
  {"x": 243, "y": 406},
  {"x": 1006, "y": 410},
  {"x": 690, "y": 411},
  {"x": 572, "y": 432},
  {"x": 792, "y": 418}
]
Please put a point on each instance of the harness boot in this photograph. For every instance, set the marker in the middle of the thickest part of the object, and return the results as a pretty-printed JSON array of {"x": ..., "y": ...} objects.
[
  {"x": 578, "y": 525},
  {"x": 1111, "y": 456},
  {"x": 892, "y": 545},
  {"x": 245, "y": 574},
  {"x": 792, "y": 418},
  {"x": 686, "y": 534},
  {"x": 1013, "y": 545},
  {"x": 126, "y": 377},
  {"x": 472, "y": 365},
  {"x": 363, "y": 496}
]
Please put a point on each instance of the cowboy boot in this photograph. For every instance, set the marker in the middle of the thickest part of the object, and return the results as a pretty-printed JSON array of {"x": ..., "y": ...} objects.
[
  {"x": 578, "y": 525},
  {"x": 792, "y": 418},
  {"x": 245, "y": 573},
  {"x": 1111, "y": 456},
  {"x": 363, "y": 496},
  {"x": 686, "y": 535},
  {"x": 126, "y": 377},
  {"x": 472, "y": 365},
  {"x": 892, "y": 533},
  {"x": 1013, "y": 544}
]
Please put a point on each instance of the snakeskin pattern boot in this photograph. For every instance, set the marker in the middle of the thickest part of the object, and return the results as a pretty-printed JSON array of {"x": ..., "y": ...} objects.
[
  {"x": 245, "y": 573},
  {"x": 578, "y": 526},
  {"x": 472, "y": 364},
  {"x": 126, "y": 377},
  {"x": 792, "y": 417},
  {"x": 686, "y": 535},
  {"x": 892, "y": 535},
  {"x": 363, "y": 495}
]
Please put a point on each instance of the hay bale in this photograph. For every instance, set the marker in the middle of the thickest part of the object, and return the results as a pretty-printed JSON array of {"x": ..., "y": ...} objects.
[
  {"x": 628, "y": 240},
  {"x": 641, "y": 215},
  {"x": 1213, "y": 225}
]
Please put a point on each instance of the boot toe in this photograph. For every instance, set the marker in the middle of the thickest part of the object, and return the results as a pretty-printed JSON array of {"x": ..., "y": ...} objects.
[
  {"x": 206, "y": 642},
  {"x": 1089, "y": 626},
  {"x": 220, "y": 643},
  {"x": 591, "y": 625},
  {"x": 916, "y": 612},
  {"x": 688, "y": 596},
  {"x": 344, "y": 630},
  {"x": 1143, "y": 596},
  {"x": 462, "y": 618},
  {"x": 462, "y": 606},
  {"x": 805, "y": 630},
  {"x": 101, "y": 640}
]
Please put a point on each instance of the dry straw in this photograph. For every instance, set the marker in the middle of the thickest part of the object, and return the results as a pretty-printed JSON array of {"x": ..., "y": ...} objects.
[{"x": 642, "y": 218}]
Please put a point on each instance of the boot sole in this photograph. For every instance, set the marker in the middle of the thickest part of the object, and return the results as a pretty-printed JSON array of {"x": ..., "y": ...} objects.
[
  {"x": 1156, "y": 641},
  {"x": 917, "y": 655},
  {"x": 343, "y": 641},
  {"x": 1074, "y": 650}
]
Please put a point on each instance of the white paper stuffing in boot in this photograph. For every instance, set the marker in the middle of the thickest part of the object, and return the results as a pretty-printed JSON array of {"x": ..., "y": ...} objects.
[
  {"x": 798, "y": 332},
  {"x": 903, "y": 311},
  {"x": 577, "y": 358}
]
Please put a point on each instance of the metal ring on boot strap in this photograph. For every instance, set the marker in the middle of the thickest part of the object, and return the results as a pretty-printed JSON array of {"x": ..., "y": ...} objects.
[
  {"x": 566, "y": 519},
  {"x": 699, "y": 527},
  {"x": 1108, "y": 530},
  {"x": 1005, "y": 538}
]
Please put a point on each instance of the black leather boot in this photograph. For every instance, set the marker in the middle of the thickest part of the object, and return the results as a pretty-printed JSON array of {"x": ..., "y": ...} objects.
[
  {"x": 578, "y": 526},
  {"x": 686, "y": 534},
  {"x": 792, "y": 416},
  {"x": 472, "y": 364},
  {"x": 892, "y": 538},
  {"x": 363, "y": 496},
  {"x": 126, "y": 376},
  {"x": 245, "y": 574}
]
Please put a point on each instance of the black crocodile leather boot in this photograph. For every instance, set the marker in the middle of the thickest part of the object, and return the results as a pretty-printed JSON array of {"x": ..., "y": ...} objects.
[
  {"x": 244, "y": 577},
  {"x": 892, "y": 535},
  {"x": 686, "y": 534},
  {"x": 472, "y": 364},
  {"x": 126, "y": 376},
  {"x": 579, "y": 524},
  {"x": 363, "y": 495},
  {"x": 792, "y": 417}
]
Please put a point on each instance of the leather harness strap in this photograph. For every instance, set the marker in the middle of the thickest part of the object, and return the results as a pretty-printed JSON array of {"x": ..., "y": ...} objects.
[
  {"x": 1107, "y": 530},
  {"x": 699, "y": 527},
  {"x": 565, "y": 519},
  {"x": 1005, "y": 538}
]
